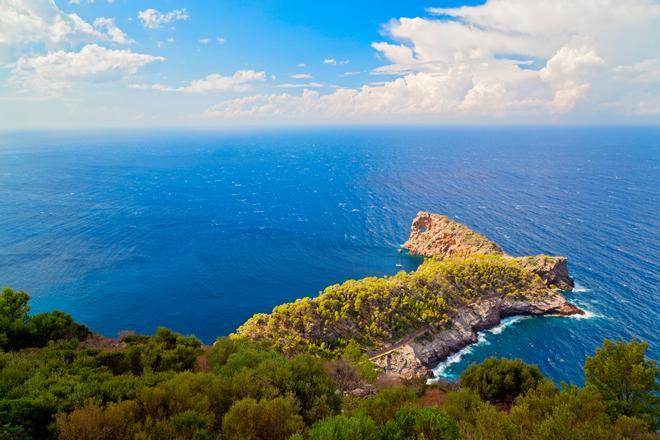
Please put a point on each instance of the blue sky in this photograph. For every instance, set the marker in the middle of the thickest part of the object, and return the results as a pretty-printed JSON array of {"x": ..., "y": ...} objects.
[
  {"x": 103, "y": 63},
  {"x": 275, "y": 36}
]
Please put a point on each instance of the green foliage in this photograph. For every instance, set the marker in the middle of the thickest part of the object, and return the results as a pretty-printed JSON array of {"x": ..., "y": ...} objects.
[
  {"x": 92, "y": 422},
  {"x": 20, "y": 330},
  {"x": 275, "y": 419},
  {"x": 412, "y": 423},
  {"x": 357, "y": 427},
  {"x": 463, "y": 405},
  {"x": 377, "y": 311},
  {"x": 383, "y": 406},
  {"x": 24, "y": 418},
  {"x": 55, "y": 381},
  {"x": 500, "y": 380},
  {"x": 626, "y": 380}
]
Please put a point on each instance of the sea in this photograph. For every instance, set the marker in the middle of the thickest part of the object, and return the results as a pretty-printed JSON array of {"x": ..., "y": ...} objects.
[{"x": 197, "y": 230}]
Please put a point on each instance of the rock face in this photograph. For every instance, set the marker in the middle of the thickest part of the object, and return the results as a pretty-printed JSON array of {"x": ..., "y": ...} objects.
[
  {"x": 552, "y": 270},
  {"x": 437, "y": 236},
  {"x": 416, "y": 357}
]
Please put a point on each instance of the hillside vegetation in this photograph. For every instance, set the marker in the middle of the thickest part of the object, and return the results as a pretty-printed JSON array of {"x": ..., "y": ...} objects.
[
  {"x": 60, "y": 381},
  {"x": 377, "y": 311}
]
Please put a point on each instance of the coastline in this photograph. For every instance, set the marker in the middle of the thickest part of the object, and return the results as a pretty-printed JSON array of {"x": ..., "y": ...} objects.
[{"x": 410, "y": 323}]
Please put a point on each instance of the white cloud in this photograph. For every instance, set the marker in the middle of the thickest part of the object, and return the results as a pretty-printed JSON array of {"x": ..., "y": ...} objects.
[
  {"x": 334, "y": 62},
  {"x": 221, "y": 40},
  {"x": 301, "y": 76},
  {"x": 55, "y": 71},
  {"x": 309, "y": 85},
  {"x": 204, "y": 40},
  {"x": 153, "y": 19},
  {"x": 240, "y": 81},
  {"x": 647, "y": 71},
  {"x": 26, "y": 23},
  {"x": 302, "y": 65},
  {"x": 506, "y": 58},
  {"x": 112, "y": 31}
]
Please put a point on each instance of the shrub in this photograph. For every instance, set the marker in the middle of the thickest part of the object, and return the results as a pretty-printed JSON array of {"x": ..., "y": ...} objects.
[
  {"x": 357, "y": 427},
  {"x": 412, "y": 423},
  {"x": 275, "y": 419},
  {"x": 500, "y": 380},
  {"x": 626, "y": 380}
]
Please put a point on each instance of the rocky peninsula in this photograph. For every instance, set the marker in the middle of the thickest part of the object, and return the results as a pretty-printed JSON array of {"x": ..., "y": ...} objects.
[{"x": 410, "y": 322}]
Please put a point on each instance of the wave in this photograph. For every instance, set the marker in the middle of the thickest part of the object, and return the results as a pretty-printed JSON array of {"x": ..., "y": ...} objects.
[
  {"x": 588, "y": 314},
  {"x": 578, "y": 288},
  {"x": 441, "y": 371}
]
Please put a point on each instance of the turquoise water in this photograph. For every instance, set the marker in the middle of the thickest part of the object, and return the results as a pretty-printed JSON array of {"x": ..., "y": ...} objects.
[{"x": 199, "y": 230}]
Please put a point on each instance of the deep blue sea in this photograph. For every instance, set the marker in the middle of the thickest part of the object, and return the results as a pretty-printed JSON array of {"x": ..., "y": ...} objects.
[{"x": 199, "y": 230}]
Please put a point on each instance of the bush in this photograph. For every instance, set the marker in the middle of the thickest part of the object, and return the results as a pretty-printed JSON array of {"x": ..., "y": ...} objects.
[
  {"x": 275, "y": 419},
  {"x": 500, "y": 380},
  {"x": 20, "y": 330},
  {"x": 412, "y": 423},
  {"x": 358, "y": 427},
  {"x": 387, "y": 403},
  {"x": 626, "y": 380},
  {"x": 92, "y": 422}
]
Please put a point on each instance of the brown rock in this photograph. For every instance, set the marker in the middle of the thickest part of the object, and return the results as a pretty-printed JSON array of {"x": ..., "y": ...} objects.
[
  {"x": 435, "y": 235},
  {"x": 552, "y": 270}
]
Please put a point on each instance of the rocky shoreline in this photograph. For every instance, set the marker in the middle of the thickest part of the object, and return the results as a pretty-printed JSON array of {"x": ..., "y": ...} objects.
[
  {"x": 439, "y": 237},
  {"x": 419, "y": 356}
]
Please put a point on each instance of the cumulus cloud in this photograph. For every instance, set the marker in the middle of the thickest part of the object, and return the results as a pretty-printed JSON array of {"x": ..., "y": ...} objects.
[
  {"x": 24, "y": 23},
  {"x": 115, "y": 34},
  {"x": 503, "y": 58},
  {"x": 240, "y": 81},
  {"x": 301, "y": 76},
  {"x": 59, "y": 70},
  {"x": 153, "y": 19}
]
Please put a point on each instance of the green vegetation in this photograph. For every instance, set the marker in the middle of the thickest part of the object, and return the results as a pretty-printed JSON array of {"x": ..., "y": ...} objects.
[
  {"x": 501, "y": 380},
  {"x": 59, "y": 381},
  {"x": 19, "y": 330},
  {"x": 377, "y": 311},
  {"x": 629, "y": 383}
]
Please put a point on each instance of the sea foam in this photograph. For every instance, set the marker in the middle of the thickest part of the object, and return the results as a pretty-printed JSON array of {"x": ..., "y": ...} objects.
[{"x": 441, "y": 371}]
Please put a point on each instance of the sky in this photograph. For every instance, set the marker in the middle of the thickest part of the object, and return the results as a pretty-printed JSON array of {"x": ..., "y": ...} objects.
[{"x": 216, "y": 63}]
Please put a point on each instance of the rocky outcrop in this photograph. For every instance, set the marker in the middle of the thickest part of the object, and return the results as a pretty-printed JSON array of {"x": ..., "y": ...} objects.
[
  {"x": 416, "y": 357},
  {"x": 435, "y": 235},
  {"x": 552, "y": 270},
  {"x": 438, "y": 236}
]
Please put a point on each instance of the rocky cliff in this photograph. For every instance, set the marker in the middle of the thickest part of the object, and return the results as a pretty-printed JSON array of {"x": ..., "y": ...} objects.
[
  {"x": 418, "y": 355},
  {"x": 438, "y": 236},
  {"x": 435, "y": 235}
]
